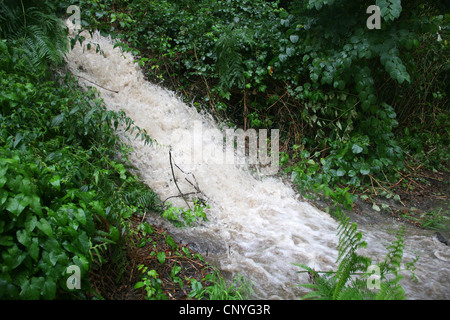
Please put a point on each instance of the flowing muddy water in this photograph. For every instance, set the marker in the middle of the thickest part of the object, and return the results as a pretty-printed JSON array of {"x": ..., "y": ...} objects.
[{"x": 257, "y": 224}]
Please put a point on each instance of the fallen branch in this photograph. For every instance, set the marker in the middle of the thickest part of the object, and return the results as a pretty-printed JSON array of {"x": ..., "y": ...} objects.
[
  {"x": 175, "y": 180},
  {"x": 95, "y": 83}
]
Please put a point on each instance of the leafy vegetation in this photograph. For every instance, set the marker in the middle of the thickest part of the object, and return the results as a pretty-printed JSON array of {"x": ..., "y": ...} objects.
[
  {"x": 351, "y": 279},
  {"x": 62, "y": 193},
  {"x": 358, "y": 110},
  {"x": 67, "y": 196},
  {"x": 353, "y": 102}
]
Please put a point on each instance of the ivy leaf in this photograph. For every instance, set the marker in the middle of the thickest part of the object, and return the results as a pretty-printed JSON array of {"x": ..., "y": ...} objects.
[
  {"x": 49, "y": 289},
  {"x": 290, "y": 51},
  {"x": 33, "y": 249},
  {"x": 17, "y": 204},
  {"x": 45, "y": 227},
  {"x": 6, "y": 241},
  {"x": 80, "y": 215},
  {"x": 3, "y": 196},
  {"x": 340, "y": 172},
  {"x": 161, "y": 257},
  {"x": 55, "y": 181},
  {"x": 365, "y": 169},
  {"x": 23, "y": 237},
  {"x": 356, "y": 149}
]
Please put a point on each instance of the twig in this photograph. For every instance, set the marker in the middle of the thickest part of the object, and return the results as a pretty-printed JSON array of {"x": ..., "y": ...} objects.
[
  {"x": 371, "y": 177},
  {"x": 95, "y": 83},
  {"x": 175, "y": 180},
  {"x": 195, "y": 187},
  {"x": 410, "y": 179},
  {"x": 183, "y": 194}
]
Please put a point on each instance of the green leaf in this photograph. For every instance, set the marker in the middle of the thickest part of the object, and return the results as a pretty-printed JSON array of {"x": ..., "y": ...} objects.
[
  {"x": 35, "y": 204},
  {"x": 80, "y": 215},
  {"x": 23, "y": 237},
  {"x": 152, "y": 273},
  {"x": 114, "y": 233},
  {"x": 161, "y": 257},
  {"x": 3, "y": 196},
  {"x": 3, "y": 178},
  {"x": 30, "y": 223},
  {"x": 138, "y": 285},
  {"x": 356, "y": 149},
  {"x": 340, "y": 172},
  {"x": 31, "y": 289},
  {"x": 365, "y": 169},
  {"x": 33, "y": 249},
  {"x": 17, "y": 204},
  {"x": 6, "y": 241},
  {"x": 45, "y": 227},
  {"x": 49, "y": 289},
  {"x": 55, "y": 181}
]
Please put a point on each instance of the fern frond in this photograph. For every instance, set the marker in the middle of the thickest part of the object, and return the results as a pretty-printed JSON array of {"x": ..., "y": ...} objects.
[
  {"x": 35, "y": 29},
  {"x": 392, "y": 262},
  {"x": 146, "y": 199},
  {"x": 391, "y": 290},
  {"x": 229, "y": 57}
]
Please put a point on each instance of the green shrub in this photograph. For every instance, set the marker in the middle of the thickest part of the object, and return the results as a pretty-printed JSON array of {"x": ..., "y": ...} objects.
[{"x": 63, "y": 183}]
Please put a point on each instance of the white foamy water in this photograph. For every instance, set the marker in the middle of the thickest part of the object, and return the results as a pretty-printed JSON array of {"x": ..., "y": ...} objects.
[{"x": 257, "y": 226}]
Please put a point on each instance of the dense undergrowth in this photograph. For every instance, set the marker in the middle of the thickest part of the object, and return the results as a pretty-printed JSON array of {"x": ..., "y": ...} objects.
[
  {"x": 358, "y": 111},
  {"x": 353, "y": 105},
  {"x": 68, "y": 200}
]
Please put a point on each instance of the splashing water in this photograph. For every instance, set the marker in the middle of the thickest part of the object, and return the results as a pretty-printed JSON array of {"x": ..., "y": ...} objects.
[{"x": 257, "y": 225}]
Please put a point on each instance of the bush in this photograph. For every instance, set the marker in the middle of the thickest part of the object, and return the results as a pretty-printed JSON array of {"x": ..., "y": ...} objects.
[{"x": 63, "y": 183}]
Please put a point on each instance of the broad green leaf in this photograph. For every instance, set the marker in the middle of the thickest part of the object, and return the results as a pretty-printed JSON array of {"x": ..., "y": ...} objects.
[
  {"x": 17, "y": 204},
  {"x": 152, "y": 273},
  {"x": 114, "y": 233},
  {"x": 45, "y": 227},
  {"x": 31, "y": 289},
  {"x": 356, "y": 149},
  {"x": 161, "y": 257},
  {"x": 3, "y": 197},
  {"x": 23, "y": 237},
  {"x": 340, "y": 172},
  {"x": 35, "y": 204},
  {"x": 3, "y": 178},
  {"x": 80, "y": 215},
  {"x": 30, "y": 223},
  {"x": 49, "y": 289},
  {"x": 33, "y": 249},
  {"x": 16, "y": 257},
  {"x": 6, "y": 241},
  {"x": 55, "y": 181},
  {"x": 365, "y": 169}
]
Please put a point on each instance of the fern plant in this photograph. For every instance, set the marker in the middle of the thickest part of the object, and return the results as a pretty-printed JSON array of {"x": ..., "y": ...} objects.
[
  {"x": 229, "y": 57},
  {"x": 33, "y": 27},
  {"x": 349, "y": 281}
]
